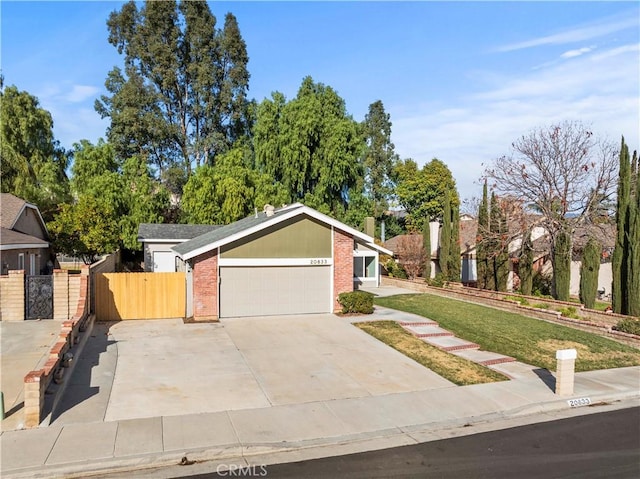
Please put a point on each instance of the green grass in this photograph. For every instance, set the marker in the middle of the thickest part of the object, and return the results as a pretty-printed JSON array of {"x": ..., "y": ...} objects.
[
  {"x": 457, "y": 370},
  {"x": 528, "y": 340}
]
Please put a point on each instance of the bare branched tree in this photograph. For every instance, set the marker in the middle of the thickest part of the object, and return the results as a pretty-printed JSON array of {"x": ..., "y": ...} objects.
[
  {"x": 411, "y": 254},
  {"x": 563, "y": 173}
]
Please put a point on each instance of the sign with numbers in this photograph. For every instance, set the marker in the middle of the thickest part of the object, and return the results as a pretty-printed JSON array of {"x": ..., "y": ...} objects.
[{"x": 579, "y": 402}]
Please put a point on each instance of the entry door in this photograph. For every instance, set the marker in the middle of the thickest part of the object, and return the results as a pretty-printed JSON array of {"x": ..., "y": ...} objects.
[
  {"x": 274, "y": 290},
  {"x": 32, "y": 264}
]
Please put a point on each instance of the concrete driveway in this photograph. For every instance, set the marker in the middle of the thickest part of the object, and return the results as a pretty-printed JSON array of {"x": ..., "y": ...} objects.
[
  {"x": 165, "y": 367},
  {"x": 24, "y": 346}
]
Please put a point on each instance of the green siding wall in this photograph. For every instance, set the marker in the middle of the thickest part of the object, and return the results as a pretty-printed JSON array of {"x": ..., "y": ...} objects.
[{"x": 298, "y": 238}]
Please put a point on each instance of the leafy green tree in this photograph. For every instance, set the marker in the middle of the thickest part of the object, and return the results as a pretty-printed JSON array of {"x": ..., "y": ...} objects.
[
  {"x": 181, "y": 99},
  {"x": 422, "y": 191},
  {"x": 228, "y": 191},
  {"x": 379, "y": 158},
  {"x": 525, "y": 265},
  {"x": 562, "y": 266},
  {"x": 32, "y": 162},
  {"x": 310, "y": 145},
  {"x": 426, "y": 239},
  {"x": 88, "y": 228},
  {"x": 89, "y": 162},
  {"x": 589, "y": 270},
  {"x": 482, "y": 239}
]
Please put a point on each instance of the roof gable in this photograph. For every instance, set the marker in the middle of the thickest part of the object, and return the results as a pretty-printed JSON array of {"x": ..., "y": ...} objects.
[
  {"x": 258, "y": 222},
  {"x": 11, "y": 208}
]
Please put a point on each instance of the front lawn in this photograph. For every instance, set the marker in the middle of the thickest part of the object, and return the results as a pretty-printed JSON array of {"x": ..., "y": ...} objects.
[
  {"x": 529, "y": 340},
  {"x": 457, "y": 370}
]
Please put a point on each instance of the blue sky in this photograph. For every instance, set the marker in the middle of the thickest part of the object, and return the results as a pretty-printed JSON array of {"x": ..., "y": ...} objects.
[{"x": 461, "y": 80}]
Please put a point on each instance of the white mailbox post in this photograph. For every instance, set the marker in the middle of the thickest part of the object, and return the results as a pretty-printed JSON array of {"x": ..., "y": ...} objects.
[{"x": 565, "y": 371}]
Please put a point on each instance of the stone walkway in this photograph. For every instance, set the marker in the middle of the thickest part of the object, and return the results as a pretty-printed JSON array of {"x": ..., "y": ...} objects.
[{"x": 430, "y": 332}]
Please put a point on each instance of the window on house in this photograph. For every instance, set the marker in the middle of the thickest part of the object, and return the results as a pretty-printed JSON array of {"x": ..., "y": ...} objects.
[
  {"x": 21, "y": 261},
  {"x": 364, "y": 266}
]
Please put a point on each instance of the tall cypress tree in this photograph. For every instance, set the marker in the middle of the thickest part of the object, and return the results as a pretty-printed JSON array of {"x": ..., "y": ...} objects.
[
  {"x": 633, "y": 261},
  {"x": 562, "y": 266},
  {"x": 445, "y": 236},
  {"x": 502, "y": 258},
  {"x": 525, "y": 266},
  {"x": 482, "y": 237},
  {"x": 589, "y": 270},
  {"x": 454, "y": 248},
  {"x": 619, "y": 262},
  {"x": 426, "y": 241},
  {"x": 493, "y": 245}
]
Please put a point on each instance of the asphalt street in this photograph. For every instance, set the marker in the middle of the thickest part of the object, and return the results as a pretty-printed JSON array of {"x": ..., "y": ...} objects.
[{"x": 604, "y": 445}]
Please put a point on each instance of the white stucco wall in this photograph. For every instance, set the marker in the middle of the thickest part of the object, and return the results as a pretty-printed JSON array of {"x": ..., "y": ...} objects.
[{"x": 605, "y": 278}]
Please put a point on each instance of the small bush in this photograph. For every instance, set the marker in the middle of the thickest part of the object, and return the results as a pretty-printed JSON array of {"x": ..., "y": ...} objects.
[
  {"x": 437, "y": 282},
  {"x": 569, "y": 312},
  {"x": 541, "y": 306},
  {"x": 356, "y": 302},
  {"x": 628, "y": 325},
  {"x": 395, "y": 270},
  {"x": 517, "y": 299}
]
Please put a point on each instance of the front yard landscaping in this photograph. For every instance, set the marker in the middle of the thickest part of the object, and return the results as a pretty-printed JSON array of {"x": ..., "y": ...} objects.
[
  {"x": 528, "y": 340},
  {"x": 457, "y": 370}
]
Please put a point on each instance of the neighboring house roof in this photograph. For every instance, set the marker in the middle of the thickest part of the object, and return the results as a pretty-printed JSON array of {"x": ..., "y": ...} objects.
[
  {"x": 10, "y": 239},
  {"x": 11, "y": 208},
  {"x": 160, "y": 232},
  {"x": 258, "y": 222}
]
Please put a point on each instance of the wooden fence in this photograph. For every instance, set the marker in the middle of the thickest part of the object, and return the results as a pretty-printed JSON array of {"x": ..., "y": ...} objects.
[{"x": 139, "y": 296}]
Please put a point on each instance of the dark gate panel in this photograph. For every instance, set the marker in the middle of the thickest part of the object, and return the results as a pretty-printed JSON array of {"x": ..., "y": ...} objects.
[{"x": 39, "y": 297}]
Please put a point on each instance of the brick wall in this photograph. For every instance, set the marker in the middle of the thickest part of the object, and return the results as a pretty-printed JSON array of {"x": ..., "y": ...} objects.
[
  {"x": 205, "y": 286},
  {"x": 12, "y": 296},
  {"x": 37, "y": 382},
  {"x": 342, "y": 266}
]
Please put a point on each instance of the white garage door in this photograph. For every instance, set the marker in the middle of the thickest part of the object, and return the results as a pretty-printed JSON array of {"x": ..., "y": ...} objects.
[
  {"x": 164, "y": 262},
  {"x": 274, "y": 290}
]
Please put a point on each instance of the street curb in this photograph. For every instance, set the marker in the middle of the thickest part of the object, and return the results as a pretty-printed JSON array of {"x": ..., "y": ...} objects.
[{"x": 279, "y": 452}]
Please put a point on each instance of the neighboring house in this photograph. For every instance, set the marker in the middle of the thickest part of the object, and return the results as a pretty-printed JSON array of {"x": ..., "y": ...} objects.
[
  {"x": 24, "y": 239},
  {"x": 292, "y": 260},
  {"x": 158, "y": 239}
]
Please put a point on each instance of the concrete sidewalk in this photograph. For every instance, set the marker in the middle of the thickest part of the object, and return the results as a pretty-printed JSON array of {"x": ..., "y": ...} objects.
[{"x": 301, "y": 431}]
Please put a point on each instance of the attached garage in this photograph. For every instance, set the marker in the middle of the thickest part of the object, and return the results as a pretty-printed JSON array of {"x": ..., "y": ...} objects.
[
  {"x": 292, "y": 260},
  {"x": 258, "y": 291}
]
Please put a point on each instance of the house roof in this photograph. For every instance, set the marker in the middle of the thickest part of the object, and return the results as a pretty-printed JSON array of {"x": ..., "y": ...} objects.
[
  {"x": 258, "y": 222},
  {"x": 10, "y": 239},
  {"x": 148, "y": 232},
  {"x": 11, "y": 207}
]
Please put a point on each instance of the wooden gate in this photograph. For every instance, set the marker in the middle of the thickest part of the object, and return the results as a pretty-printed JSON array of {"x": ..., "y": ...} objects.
[{"x": 139, "y": 296}]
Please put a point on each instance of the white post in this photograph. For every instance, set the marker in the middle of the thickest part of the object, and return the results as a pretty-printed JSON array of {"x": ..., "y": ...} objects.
[{"x": 565, "y": 371}]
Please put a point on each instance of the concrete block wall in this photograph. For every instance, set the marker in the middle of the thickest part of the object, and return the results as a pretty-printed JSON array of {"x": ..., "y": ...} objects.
[
  {"x": 342, "y": 266},
  {"x": 205, "y": 286},
  {"x": 12, "y": 296}
]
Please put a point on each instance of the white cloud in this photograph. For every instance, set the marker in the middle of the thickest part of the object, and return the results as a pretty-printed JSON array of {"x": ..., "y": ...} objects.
[
  {"x": 80, "y": 93},
  {"x": 599, "y": 90},
  {"x": 576, "y": 53},
  {"x": 604, "y": 27}
]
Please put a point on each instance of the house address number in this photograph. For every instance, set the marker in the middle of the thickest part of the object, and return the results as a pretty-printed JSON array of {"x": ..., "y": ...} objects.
[
  {"x": 579, "y": 402},
  {"x": 319, "y": 261}
]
